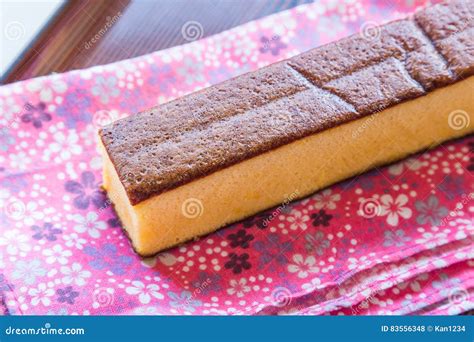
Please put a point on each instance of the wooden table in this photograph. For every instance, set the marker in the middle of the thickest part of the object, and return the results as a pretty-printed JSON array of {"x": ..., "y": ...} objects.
[{"x": 92, "y": 32}]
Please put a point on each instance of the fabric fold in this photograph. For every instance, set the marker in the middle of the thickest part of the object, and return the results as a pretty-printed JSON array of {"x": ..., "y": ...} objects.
[
  {"x": 422, "y": 294},
  {"x": 367, "y": 284}
]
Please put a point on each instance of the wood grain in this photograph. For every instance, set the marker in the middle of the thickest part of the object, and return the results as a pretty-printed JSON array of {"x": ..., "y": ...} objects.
[{"x": 89, "y": 32}]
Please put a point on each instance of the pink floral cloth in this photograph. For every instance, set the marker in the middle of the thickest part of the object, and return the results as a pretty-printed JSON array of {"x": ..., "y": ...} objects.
[{"x": 396, "y": 240}]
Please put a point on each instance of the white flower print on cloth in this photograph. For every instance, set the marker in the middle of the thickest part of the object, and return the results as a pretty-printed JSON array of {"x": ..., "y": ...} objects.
[
  {"x": 28, "y": 271},
  {"x": 313, "y": 284},
  {"x": 105, "y": 88},
  {"x": 9, "y": 110},
  {"x": 20, "y": 160},
  {"x": 384, "y": 279},
  {"x": 32, "y": 213},
  {"x": 147, "y": 310},
  {"x": 394, "y": 209},
  {"x": 326, "y": 199},
  {"x": 41, "y": 295},
  {"x": 191, "y": 71},
  {"x": 75, "y": 274},
  {"x": 74, "y": 240},
  {"x": 359, "y": 263},
  {"x": 87, "y": 135},
  {"x": 129, "y": 75},
  {"x": 414, "y": 284},
  {"x": 412, "y": 164},
  {"x": 464, "y": 227},
  {"x": 303, "y": 266},
  {"x": 244, "y": 47},
  {"x": 89, "y": 224},
  {"x": 298, "y": 220},
  {"x": 64, "y": 147},
  {"x": 432, "y": 239},
  {"x": 144, "y": 292},
  {"x": 57, "y": 254},
  {"x": 238, "y": 287},
  {"x": 15, "y": 242},
  {"x": 47, "y": 87}
]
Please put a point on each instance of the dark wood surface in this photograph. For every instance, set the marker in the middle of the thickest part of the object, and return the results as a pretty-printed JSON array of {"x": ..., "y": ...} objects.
[{"x": 91, "y": 32}]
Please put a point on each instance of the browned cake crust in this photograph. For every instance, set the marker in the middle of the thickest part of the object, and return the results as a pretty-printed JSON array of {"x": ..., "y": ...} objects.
[{"x": 167, "y": 146}]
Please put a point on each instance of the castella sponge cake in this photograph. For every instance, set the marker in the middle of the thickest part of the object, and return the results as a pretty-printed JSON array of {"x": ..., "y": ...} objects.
[{"x": 193, "y": 165}]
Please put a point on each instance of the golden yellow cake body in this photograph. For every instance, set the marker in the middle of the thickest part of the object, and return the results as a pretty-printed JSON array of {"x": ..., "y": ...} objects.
[{"x": 300, "y": 168}]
